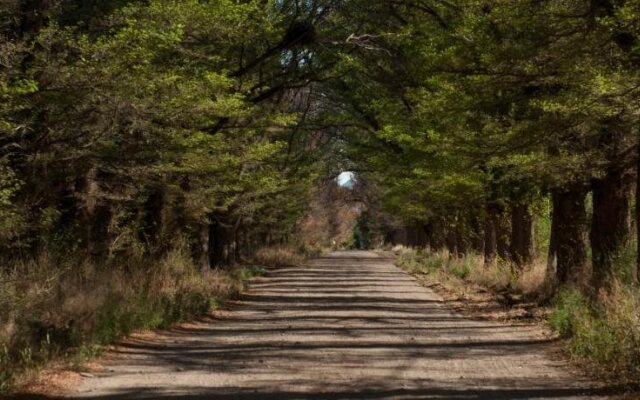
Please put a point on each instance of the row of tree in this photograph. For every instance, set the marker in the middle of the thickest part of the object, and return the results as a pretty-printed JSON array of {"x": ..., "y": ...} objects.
[
  {"x": 125, "y": 125},
  {"x": 474, "y": 116}
]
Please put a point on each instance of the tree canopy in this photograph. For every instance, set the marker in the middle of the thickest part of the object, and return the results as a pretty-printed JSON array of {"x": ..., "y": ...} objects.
[{"x": 124, "y": 124}]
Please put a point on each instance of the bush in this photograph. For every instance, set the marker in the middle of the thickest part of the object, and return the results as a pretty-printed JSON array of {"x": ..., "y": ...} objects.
[{"x": 59, "y": 308}]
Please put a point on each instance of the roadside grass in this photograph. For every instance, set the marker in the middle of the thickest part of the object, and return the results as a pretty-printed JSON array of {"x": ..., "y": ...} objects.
[
  {"x": 457, "y": 272},
  {"x": 602, "y": 332},
  {"x": 279, "y": 256},
  {"x": 72, "y": 309}
]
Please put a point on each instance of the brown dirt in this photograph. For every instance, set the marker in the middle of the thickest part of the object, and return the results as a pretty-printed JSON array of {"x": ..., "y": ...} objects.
[{"x": 346, "y": 326}]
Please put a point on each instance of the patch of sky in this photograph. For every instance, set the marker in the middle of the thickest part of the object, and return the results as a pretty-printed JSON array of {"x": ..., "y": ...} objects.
[{"x": 346, "y": 179}]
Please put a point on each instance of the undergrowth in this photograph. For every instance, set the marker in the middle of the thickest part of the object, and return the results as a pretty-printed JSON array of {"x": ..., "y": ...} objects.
[{"x": 71, "y": 308}]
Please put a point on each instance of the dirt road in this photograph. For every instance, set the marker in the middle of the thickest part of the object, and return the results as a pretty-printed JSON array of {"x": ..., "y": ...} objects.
[{"x": 346, "y": 326}]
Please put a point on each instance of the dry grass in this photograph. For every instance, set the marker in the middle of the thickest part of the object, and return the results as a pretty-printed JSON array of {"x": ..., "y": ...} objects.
[
  {"x": 533, "y": 280},
  {"x": 446, "y": 267},
  {"x": 52, "y": 308},
  {"x": 279, "y": 256},
  {"x": 470, "y": 268}
]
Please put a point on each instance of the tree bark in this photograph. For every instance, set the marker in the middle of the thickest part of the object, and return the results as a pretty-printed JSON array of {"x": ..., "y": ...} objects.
[
  {"x": 522, "y": 240},
  {"x": 610, "y": 223},
  {"x": 567, "y": 247}
]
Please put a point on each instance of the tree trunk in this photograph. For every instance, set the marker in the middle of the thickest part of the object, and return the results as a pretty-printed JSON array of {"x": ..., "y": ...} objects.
[
  {"x": 427, "y": 228},
  {"x": 461, "y": 240},
  {"x": 239, "y": 244},
  {"x": 217, "y": 243},
  {"x": 437, "y": 236},
  {"x": 490, "y": 235},
  {"x": 152, "y": 219},
  {"x": 503, "y": 235},
  {"x": 610, "y": 223},
  {"x": 452, "y": 241},
  {"x": 522, "y": 241},
  {"x": 567, "y": 247},
  {"x": 477, "y": 236},
  {"x": 203, "y": 252},
  {"x": 96, "y": 215}
]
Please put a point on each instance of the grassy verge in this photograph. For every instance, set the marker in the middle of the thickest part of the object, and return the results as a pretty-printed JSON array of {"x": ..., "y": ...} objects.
[
  {"x": 71, "y": 309},
  {"x": 602, "y": 334}
]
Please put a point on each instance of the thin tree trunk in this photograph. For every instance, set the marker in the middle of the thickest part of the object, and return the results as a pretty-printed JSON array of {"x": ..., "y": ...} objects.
[
  {"x": 503, "y": 235},
  {"x": 490, "y": 235},
  {"x": 451, "y": 241},
  {"x": 97, "y": 216},
  {"x": 477, "y": 236},
  {"x": 461, "y": 240},
  {"x": 203, "y": 257}
]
